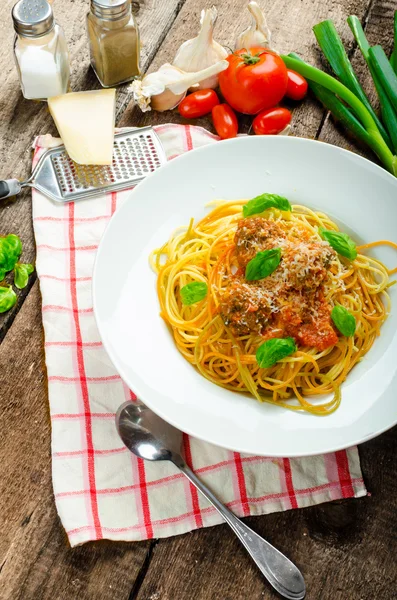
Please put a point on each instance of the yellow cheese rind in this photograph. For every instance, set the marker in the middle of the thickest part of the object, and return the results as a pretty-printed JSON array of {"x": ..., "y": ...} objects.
[{"x": 85, "y": 121}]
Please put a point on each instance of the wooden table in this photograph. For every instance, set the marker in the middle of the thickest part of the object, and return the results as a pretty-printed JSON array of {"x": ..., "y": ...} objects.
[{"x": 346, "y": 550}]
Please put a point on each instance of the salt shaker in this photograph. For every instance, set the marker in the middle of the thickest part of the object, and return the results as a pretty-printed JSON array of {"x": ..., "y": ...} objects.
[
  {"x": 40, "y": 50},
  {"x": 114, "y": 41}
]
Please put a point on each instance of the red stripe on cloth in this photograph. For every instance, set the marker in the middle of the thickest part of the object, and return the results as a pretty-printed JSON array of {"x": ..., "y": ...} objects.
[
  {"x": 114, "y": 203},
  {"x": 72, "y": 453},
  {"x": 56, "y": 308},
  {"x": 67, "y": 249},
  {"x": 289, "y": 482},
  {"x": 241, "y": 483},
  {"x": 189, "y": 140},
  {"x": 83, "y": 381},
  {"x": 145, "y": 499},
  {"x": 76, "y": 220},
  {"x": 193, "y": 490},
  {"x": 83, "y": 415},
  {"x": 83, "y": 344},
  {"x": 55, "y": 278},
  {"x": 90, "y": 379},
  {"x": 344, "y": 474}
]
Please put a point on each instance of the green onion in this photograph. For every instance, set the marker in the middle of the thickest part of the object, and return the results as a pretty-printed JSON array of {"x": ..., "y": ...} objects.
[
  {"x": 376, "y": 141},
  {"x": 393, "y": 58},
  {"x": 339, "y": 110},
  {"x": 331, "y": 44},
  {"x": 385, "y": 73},
  {"x": 388, "y": 114}
]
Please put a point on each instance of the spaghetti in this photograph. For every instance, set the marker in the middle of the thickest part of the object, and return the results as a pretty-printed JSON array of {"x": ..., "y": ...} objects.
[{"x": 221, "y": 333}]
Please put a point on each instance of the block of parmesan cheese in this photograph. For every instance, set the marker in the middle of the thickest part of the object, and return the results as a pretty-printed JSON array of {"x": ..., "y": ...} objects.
[{"x": 85, "y": 122}]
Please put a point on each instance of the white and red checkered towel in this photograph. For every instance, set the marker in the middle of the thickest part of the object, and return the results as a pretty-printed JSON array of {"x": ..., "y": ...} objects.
[{"x": 101, "y": 490}]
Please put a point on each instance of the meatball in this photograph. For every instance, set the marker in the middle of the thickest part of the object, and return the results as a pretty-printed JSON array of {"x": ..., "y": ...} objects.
[
  {"x": 253, "y": 235},
  {"x": 245, "y": 308}
]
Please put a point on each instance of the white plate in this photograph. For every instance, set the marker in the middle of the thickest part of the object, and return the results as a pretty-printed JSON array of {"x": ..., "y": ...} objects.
[{"x": 352, "y": 190}]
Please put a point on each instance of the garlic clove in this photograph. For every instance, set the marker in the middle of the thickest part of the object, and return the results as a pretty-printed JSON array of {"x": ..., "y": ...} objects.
[
  {"x": 258, "y": 33},
  {"x": 202, "y": 51},
  {"x": 166, "y": 88}
]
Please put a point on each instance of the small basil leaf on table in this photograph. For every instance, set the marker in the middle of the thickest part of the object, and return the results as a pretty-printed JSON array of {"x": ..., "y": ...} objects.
[
  {"x": 341, "y": 242},
  {"x": 7, "y": 298},
  {"x": 10, "y": 251},
  {"x": 274, "y": 350},
  {"x": 264, "y": 202},
  {"x": 193, "y": 292},
  {"x": 263, "y": 264},
  {"x": 21, "y": 274},
  {"x": 344, "y": 320}
]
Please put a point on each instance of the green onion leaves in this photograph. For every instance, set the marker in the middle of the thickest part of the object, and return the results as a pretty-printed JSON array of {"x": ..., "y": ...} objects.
[
  {"x": 7, "y": 298},
  {"x": 341, "y": 242},
  {"x": 263, "y": 264},
  {"x": 274, "y": 350},
  {"x": 344, "y": 320},
  {"x": 264, "y": 202},
  {"x": 193, "y": 292}
]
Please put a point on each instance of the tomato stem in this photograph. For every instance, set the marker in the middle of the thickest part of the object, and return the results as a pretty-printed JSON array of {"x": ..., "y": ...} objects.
[{"x": 249, "y": 59}]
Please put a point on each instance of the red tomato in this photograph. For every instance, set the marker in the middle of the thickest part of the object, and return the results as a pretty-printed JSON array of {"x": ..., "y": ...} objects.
[
  {"x": 296, "y": 86},
  {"x": 225, "y": 121},
  {"x": 254, "y": 80},
  {"x": 198, "y": 104},
  {"x": 271, "y": 121}
]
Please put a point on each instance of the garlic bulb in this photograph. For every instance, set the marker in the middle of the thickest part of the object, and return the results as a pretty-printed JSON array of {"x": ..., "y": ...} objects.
[
  {"x": 164, "y": 89},
  {"x": 258, "y": 33},
  {"x": 202, "y": 51}
]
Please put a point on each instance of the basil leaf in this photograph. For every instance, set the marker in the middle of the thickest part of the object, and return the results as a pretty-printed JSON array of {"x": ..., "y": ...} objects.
[
  {"x": 7, "y": 298},
  {"x": 193, "y": 292},
  {"x": 264, "y": 202},
  {"x": 21, "y": 274},
  {"x": 263, "y": 264},
  {"x": 344, "y": 320},
  {"x": 274, "y": 350},
  {"x": 341, "y": 242},
  {"x": 10, "y": 251}
]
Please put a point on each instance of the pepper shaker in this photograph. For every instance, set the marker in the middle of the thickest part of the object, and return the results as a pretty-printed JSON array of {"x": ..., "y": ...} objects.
[
  {"x": 40, "y": 50},
  {"x": 114, "y": 41}
]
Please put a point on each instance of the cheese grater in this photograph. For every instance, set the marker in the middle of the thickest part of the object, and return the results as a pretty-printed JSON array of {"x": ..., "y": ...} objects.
[{"x": 136, "y": 153}]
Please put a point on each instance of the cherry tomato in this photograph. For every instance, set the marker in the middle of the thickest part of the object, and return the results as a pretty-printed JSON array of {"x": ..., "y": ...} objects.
[
  {"x": 198, "y": 104},
  {"x": 225, "y": 121},
  {"x": 296, "y": 86},
  {"x": 271, "y": 121},
  {"x": 254, "y": 80}
]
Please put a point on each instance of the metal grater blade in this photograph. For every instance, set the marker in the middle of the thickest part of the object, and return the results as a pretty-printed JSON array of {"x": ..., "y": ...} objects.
[{"x": 136, "y": 154}]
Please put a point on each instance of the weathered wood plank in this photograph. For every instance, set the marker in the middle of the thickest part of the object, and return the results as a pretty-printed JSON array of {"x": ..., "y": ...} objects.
[
  {"x": 36, "y": 561},
  {"x": 21, "y": 120}
]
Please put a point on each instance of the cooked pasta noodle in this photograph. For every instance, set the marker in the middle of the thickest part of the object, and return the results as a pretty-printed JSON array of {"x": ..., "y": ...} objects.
[{"x": 207, "y": 252}]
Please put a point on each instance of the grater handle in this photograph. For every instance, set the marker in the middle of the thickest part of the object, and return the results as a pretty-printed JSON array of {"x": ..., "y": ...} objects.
[{"x": 9, "y": 187}]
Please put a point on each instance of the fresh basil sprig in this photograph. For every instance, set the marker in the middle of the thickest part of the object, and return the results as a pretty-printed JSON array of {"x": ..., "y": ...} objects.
[
  {"x": 263, "y": 202},
  {"x": 193, "y": 292},
  {"x": 263, "y": 264},
  {"x": 7, "y": 298},
  {"x": 344, "y": 320},
  {"x": 274, "y": 350},
  {"x": 21, "y": 274},
  {"x": 341, "y": 242},
  {"x": 10, "y": 251}
]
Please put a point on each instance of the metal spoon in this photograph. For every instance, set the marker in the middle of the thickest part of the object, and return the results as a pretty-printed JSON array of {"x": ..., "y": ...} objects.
[{"x": 147, "y": 436}]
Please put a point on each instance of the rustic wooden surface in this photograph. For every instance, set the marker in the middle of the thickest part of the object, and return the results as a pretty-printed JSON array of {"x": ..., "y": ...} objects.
[{"x": 346, "y": 550}]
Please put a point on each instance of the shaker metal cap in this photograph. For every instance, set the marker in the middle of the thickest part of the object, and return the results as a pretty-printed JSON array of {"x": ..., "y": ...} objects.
[
  {"x": 32, "y": 18},
  {"x": 110, "y": 9}
]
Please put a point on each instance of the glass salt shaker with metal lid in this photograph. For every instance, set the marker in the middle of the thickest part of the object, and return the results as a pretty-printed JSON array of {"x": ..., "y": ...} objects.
[
  {"x": 114, "y": 41},
  {"x": 40, "y": 50}
]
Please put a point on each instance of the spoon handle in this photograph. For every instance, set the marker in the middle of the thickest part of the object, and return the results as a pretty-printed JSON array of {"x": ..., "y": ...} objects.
[{"x": 281, "y": 573}]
